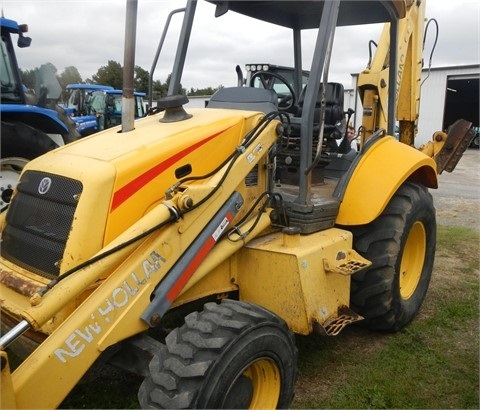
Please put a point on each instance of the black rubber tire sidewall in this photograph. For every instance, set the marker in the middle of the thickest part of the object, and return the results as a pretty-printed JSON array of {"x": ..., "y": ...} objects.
[
  {"x": 30, "y": 144},
  {"x": 375, "y": 292},
  {"x": 196, "y": 374},
  {"x": 406, "y": 310},
  {"x": 264, "y": 341}
]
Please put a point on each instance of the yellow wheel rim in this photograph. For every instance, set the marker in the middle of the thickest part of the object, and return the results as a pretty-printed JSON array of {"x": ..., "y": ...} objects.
[
  {"x": 265, "y": 377},
  {"x": 257, "y": 387},
  {"x": 413, "y": 259}
]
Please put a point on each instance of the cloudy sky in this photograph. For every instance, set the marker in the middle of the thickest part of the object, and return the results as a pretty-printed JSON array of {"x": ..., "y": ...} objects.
[{"x": 88, "y": 33}]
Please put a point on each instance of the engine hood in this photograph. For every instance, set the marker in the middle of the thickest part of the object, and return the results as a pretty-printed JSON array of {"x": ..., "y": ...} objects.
[{"x": 137, "y": 167}]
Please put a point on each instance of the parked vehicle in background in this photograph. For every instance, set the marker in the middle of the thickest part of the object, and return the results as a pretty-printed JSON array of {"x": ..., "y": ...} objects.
[
  {"x": 475, "y": 143},
  {"x": 96, "y": 107},
  {"x": 106, "y": 106},
  {"x": 32, "y": 122},
  {"x": 78, "y": 96}
]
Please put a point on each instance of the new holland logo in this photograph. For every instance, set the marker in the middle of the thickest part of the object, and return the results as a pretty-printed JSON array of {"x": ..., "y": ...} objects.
[{"x": 44, "y": 185}]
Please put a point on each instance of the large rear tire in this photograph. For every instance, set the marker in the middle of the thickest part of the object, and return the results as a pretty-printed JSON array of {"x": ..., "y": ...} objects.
[
  {"x": 20, "y": 143},
  {"x": 401, "y": 245},
  {"x": 232, "y": 355},
  {"x": 10, "y": 170}
]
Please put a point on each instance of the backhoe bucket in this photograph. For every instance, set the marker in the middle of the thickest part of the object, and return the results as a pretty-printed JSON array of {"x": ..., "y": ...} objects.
[{"x": 459, "y": 136}]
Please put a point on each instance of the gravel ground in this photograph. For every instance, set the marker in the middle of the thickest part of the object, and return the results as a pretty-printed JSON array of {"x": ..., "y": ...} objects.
[{"x": 457, "y": 198}]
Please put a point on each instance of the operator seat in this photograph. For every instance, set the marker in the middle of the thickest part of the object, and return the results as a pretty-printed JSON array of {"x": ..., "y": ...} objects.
[
  {"x": 245, "y": 98},
  {"x": 288, "y": 157},
  {"x": 335, "y": 121},
  {"x": 334, "y": 114}
]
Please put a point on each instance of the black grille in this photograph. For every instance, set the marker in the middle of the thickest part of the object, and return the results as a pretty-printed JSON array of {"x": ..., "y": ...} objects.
[{"x": 38, "y": 224}]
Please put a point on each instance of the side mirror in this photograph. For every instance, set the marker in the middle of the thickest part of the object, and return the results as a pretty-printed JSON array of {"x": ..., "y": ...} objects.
[{"x": 23, "y": 41}]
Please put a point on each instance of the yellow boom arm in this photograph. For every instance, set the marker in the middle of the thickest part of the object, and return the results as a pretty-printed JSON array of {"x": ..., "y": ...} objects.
[{"x": 373, "y": 82}]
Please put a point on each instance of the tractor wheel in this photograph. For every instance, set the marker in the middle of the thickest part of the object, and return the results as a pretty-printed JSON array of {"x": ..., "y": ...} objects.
[
  {"x": 20, "y": 143},
  {"x": 22, "y": 140},
  {"x": 11, "y": 168},
  {"x": 476, "y": 141},
  {"x": 401, "y": 245},
  {"x": 232, "y": 355}
]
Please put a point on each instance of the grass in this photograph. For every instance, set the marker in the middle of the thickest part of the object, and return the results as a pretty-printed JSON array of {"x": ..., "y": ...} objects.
[{"x": 431, "y": 364}]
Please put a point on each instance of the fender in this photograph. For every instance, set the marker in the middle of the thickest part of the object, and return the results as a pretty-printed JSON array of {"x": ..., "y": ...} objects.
[
  {"x": 45, "y": 119},
  {"x": 382, "y": 166}
]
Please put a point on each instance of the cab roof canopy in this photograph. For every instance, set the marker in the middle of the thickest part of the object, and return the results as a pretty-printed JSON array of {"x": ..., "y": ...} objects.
[
  {"x": 299, "y": 14},
  {"x": 10, "y": 25}
]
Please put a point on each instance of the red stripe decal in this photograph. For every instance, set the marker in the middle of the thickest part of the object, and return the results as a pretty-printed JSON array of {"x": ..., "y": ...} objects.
[
  {"x": 125, "y": 192},
  {"x": 192, "y": 267}
]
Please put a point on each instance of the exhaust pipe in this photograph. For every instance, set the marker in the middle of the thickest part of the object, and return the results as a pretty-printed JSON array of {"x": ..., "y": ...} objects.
[{"x": 128, "y": 100}]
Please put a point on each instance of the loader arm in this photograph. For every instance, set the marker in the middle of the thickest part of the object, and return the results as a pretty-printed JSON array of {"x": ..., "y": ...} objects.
[{"x": 168, "y": 256}]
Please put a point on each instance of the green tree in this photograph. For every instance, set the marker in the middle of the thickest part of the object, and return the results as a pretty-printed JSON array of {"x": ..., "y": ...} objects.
[
  {"x": 182, "y": 90},
  {"x": 160, "y": 89},
  {"x": 141, "y": 79},
  {"x": 203, "y": 91},
  {"x": 51, "y": 67},
  {"x": 69, "y": 76},
  {"x": 111, "y": 74},
  {"x": 34, "y": 80},
  {"x": 28, "y": 78}
]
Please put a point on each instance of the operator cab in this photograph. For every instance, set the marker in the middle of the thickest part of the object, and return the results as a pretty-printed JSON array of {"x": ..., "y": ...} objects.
[
  {"x": 313, "y": 115},
  {"x": 314, "y": 106}
]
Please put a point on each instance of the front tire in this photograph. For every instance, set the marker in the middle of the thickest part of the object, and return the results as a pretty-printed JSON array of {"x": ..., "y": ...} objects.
[
  {"x": 232, "y": 355},
  {"x": 401, "y": 245}
]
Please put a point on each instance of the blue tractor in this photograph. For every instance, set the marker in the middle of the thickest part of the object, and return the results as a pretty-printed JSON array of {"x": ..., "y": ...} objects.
[
  {"x": 32, "y": 123},
  {"x": 97, "y": 107},
  {"x": 78, "y": 96}
]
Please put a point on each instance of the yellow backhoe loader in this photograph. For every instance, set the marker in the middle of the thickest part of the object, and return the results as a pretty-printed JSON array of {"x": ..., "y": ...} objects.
[{"x": 191, "y": 248}]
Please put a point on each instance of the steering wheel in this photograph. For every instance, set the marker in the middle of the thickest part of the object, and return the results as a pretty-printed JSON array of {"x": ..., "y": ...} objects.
[{"x": 285, "y": 102}]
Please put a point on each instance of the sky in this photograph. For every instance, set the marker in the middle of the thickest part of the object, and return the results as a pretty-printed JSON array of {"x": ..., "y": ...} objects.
[{"x": 87, "y": 34}]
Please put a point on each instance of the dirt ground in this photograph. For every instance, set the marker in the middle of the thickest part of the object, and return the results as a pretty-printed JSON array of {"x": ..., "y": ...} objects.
[{"x": 457, "y": 198}]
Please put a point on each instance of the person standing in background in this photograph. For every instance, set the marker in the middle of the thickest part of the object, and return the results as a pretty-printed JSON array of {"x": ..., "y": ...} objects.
[{"x": 352, "y": 139}]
